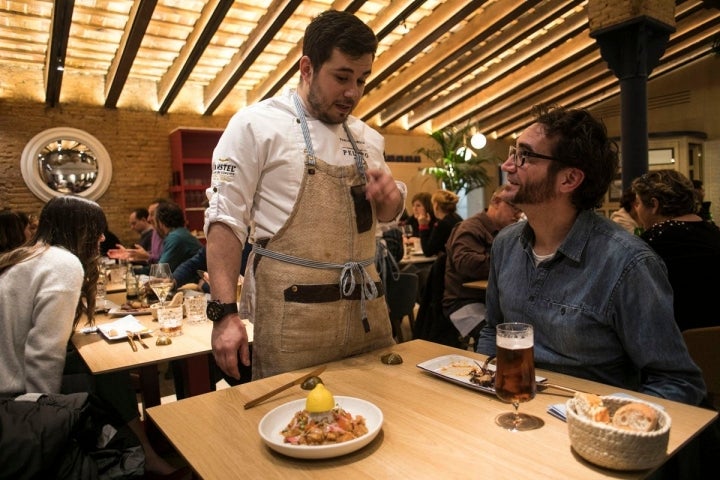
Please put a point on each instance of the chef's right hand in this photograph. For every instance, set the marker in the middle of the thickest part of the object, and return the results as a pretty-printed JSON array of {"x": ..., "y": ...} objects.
[{"x": 229, "y": 337}]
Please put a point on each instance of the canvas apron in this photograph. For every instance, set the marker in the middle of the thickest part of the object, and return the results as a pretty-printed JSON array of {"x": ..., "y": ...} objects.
[{"x": 312, "y": 300}]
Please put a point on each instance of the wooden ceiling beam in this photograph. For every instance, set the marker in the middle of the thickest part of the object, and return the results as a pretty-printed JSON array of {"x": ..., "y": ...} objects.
[
  {"x": 270, "y": 24},
  {"x": 444, "y": 18},
  {"x": 57, "y": 49},
  {"x": 399, "y": 95},
  {"x": 582, "y": 87},
  {"x": 210, "y": 19},
  {"x": 140, "y": 16},
  {"x": 544, "y": 55}
]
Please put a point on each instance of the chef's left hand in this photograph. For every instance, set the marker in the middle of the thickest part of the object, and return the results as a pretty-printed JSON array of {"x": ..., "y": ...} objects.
[{"x": 384, "y": 192}]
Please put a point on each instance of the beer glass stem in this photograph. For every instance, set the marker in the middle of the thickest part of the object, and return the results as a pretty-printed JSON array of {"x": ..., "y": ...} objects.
[{"x": 516, "y": 414}]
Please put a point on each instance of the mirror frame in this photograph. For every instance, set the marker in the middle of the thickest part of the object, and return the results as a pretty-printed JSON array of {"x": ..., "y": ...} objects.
[{"x": 30, "y": 170}]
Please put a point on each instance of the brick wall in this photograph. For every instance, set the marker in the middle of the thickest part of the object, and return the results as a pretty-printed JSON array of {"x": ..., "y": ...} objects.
[{"x": 138, "y": 144}]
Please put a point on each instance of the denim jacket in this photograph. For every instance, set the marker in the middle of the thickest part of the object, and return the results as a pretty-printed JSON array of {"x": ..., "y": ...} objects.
[{"x": 601, "y": 308}]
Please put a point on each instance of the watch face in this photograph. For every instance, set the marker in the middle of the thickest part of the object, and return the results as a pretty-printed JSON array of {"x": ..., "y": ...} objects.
[{"x": 214, "y": 310}]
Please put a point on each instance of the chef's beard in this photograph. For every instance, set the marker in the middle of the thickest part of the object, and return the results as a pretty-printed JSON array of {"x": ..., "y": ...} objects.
[{"x": 321, "y": 107}]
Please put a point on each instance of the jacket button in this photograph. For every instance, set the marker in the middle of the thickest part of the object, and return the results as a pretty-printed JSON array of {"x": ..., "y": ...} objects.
[{"x": 294, "y": 289}]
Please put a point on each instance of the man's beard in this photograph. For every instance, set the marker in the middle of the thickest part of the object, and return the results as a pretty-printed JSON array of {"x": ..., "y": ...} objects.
[
  {"x": 536, "y": 192},
  {"x": 315, "y": 99}
]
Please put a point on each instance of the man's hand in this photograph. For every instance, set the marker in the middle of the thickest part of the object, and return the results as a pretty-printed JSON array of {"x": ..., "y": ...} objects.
[
  {"x": 137, "y": 254},
  {"x": 384, "y": 192},
  {"x": 229, "y": 337}
]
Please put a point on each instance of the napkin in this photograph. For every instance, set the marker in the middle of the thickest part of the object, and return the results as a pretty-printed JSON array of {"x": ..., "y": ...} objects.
[{"x": 558, "y": 410}]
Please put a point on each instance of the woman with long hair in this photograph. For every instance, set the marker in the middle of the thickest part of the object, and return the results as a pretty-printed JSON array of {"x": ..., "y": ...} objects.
[{"x": 46, "y": 286}]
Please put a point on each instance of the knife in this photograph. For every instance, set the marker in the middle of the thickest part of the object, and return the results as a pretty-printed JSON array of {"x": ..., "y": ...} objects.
[
  {"x": 272, "y": 393},
  {"x": 132, "y": 342}
]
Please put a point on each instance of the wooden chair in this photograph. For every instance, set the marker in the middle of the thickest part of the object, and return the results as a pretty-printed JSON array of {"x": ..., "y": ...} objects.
[
  {"x": 400, "y": 296},
  {"x": 704, "y": 347}
]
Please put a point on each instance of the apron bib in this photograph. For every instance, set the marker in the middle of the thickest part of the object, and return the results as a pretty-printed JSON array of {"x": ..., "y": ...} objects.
[{"x": 304, "y": 314}]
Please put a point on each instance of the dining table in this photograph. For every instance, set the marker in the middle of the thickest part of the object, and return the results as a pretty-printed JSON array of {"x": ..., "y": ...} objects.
[
  {"x": 193, "y": 347},
  {"x": 432, "y": 428}
]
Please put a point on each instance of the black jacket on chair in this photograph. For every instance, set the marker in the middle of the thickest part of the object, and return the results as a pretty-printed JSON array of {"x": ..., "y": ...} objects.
[{"x": 431, "y": 323}]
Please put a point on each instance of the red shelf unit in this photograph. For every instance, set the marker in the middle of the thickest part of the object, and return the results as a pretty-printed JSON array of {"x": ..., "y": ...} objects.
[{"x": 191, "y": 150}]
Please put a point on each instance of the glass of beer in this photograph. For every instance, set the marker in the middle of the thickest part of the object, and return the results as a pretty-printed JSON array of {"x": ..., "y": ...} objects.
[{"x": 515, "y": 374}]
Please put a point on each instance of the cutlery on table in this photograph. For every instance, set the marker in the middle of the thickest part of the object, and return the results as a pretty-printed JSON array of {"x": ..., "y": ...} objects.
[
  {"x": 132, "y": 342},
  {"x": 138, "y": 336},
  {"x": 272, "y": 393},
  {"x": 545, "y": 385}
]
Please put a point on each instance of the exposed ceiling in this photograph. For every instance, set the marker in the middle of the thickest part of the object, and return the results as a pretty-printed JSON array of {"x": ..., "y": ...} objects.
[{"x": 439, "y": 63}]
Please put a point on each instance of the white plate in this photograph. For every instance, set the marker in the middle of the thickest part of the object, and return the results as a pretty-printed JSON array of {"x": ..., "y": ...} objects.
[
  {"x": 273, "y": 423},
  {"x": 118, "y": 329},
  {"x": 118, "y": 311},
  {"x": 456, "y": 368}
]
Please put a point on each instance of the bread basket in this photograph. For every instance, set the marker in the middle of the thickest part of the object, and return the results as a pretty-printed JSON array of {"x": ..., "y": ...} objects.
[{"x": 611, "y": 447}]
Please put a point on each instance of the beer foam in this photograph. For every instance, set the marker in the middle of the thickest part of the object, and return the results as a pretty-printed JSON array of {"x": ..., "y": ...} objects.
[{"x": 515, "y": 343}]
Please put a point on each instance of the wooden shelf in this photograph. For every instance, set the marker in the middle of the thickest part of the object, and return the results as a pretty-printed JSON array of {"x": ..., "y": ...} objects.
[{"x": 191, "y": 150}]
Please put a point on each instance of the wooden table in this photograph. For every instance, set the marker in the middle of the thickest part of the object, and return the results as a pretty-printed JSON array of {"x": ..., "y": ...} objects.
[
  {"x": 479, "y": 284},
  {"x": 432, "y": 428},
  {"x": 193, "y": 345}
]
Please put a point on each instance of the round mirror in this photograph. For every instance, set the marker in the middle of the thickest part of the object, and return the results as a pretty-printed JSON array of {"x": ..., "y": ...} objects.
[{"x": 62, "y": 161}]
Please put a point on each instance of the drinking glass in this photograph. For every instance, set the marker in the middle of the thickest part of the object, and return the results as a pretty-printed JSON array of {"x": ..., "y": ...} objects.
[
  {"x": 407, "y": 231},
  {"x": 161, "y": 281},
  {"x": 515, "y": 374}
]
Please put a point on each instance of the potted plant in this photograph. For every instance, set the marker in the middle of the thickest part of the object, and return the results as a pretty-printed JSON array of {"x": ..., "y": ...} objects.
[{"x": 459, "y": 167}]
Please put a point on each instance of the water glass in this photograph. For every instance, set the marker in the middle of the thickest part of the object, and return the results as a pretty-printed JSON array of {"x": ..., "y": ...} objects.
[
  {"x": 101, "y": 292},
  {"x": 195, "y": 308},
  {"x": 170, "y": 320}
]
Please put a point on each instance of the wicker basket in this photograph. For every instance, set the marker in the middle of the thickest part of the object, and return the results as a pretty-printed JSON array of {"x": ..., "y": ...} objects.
[{"x": 610, "y": 447}]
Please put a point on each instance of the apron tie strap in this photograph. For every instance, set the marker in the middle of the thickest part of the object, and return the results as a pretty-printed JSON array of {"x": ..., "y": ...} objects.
[{"x": 349, "y": 273}]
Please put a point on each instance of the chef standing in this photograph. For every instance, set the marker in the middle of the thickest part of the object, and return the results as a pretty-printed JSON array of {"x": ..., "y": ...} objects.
[{"x": 311, "y": 182}]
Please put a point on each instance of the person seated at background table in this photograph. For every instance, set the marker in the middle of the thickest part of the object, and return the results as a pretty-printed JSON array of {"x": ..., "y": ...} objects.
[
  {"x": 468, "y": 259},
  {"x": 625, "y": 216},
  {"x": 30, "y": 220},
  {"x": 12, "y": 230},
  {"x": 689, "y": 245},
  {"x": 140, "y": 254},
  {"x": 703, "y": 206},
  {"x": 46, "y": 287},
  {"x": 178, "y": 243},
  {"x": 421, "y": 206},
  {"x": 139, "y": 223},
  {"x": 434, "y": 237},
  {"x": 599, "y": 300}
]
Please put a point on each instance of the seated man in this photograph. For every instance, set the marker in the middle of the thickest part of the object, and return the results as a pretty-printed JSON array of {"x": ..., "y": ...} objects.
[
  {"x": 468, "y": 259},
  {"x": 599, "y": 299}
]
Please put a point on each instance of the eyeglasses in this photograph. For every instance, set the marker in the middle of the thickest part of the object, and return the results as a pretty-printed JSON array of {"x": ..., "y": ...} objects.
[{"x": 520, "y": 156}]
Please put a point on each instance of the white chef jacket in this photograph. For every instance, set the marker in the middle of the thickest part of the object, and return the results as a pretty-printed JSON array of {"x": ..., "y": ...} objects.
[{"x": 265, "y": 140}]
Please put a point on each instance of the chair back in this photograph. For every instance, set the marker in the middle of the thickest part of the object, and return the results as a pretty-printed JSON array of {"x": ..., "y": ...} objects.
[
  {"x": 704, "y": 347},
  {"x": 400, "y": 296}
]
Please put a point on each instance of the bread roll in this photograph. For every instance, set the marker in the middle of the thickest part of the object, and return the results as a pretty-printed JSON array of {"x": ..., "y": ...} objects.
[
  {"x": 635, "y": 416},
  {"x": 591, "y": 406}
]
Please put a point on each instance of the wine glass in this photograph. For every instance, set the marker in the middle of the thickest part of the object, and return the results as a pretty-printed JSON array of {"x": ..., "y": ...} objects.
[
  {"x": 515, "y": 374},
  {"x": 161, "y": 281}
]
